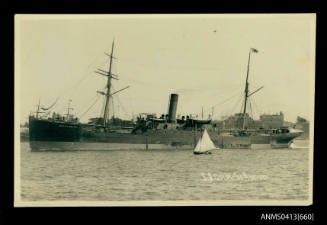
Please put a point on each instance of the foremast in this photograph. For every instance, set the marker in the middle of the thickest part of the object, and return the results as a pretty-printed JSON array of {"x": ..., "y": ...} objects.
[
  {"x": 68, "y": 109},
  {"x": 38, "y": 110}
]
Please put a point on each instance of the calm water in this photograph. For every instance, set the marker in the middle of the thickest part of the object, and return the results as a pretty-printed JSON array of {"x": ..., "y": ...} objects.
[{"x": 165, "y": 175}]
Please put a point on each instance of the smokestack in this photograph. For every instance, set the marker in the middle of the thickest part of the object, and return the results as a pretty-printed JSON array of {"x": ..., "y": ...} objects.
[{"x": 172, "y": 107}]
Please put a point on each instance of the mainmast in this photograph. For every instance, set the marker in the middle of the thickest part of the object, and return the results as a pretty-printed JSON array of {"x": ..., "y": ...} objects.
[
  {"x": 106, "y": 108},
  {"x": 108, "y": 93},
  {"x": 247, "y": 84}
]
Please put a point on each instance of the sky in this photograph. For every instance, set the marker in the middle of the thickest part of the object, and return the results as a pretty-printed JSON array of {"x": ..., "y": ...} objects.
[{"x": 202, "y": 58}]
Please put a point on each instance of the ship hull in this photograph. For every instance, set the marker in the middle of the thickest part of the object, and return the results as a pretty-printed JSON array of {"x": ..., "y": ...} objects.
[
  {"x": 55, "y": 135},
  {"x": 52, "y": 131},
  {"x": 100, "y": 146},
  {"x": 157, "y": 139},
  {"x": 202, "y": 153}
]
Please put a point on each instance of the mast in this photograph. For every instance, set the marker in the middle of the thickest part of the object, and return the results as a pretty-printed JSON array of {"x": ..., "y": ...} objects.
[
  {"x": 106, "y": 108},
  {"x": 195, "y": 128},
  {"x": 108, "y": 93},
  {"x": 202, "y": 113},
  {"x": 69, "y": 108},
  {"x": 38, "y": 109},
  {"x": 246, "y": 91}
]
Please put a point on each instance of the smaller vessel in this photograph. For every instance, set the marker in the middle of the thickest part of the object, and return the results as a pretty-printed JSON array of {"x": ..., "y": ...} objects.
[
  {"x": 291, "y": 145},
  {"x": 204, "y": 145}
]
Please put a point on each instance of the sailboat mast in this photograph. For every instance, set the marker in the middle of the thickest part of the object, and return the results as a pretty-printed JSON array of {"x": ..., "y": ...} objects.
[
  {"x": 202, "y": 113},
  {"x": 106, "y": 109}
]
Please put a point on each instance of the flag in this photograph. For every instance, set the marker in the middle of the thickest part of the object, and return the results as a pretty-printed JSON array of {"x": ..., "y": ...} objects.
[{"x": 254, "y": 50}]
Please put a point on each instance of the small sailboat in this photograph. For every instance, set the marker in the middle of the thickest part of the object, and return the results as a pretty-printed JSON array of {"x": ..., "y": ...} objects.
[
  {"x": 291, "y": 145},
  {"x": 204, "y": 145}
]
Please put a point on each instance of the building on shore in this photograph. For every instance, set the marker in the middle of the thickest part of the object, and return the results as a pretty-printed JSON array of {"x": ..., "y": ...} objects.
[
  {"x": 236, "y": 122},
  {"x": 303, "y": 125},
  {"x": 266, "y": 121},
  {"x": 272, "y": 121}
]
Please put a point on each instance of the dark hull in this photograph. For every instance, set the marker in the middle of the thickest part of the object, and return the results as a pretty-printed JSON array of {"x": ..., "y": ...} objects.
[
  {"x": 52, "y": 131},
  {"x": 202, "y": 153}
]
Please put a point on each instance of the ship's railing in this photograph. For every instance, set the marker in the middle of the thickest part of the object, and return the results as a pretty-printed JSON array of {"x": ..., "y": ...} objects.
[{"x": 58, "y": 118}]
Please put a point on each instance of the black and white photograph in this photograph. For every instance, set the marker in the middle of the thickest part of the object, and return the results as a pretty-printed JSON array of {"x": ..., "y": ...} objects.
[{"x": 164, "y": 109}]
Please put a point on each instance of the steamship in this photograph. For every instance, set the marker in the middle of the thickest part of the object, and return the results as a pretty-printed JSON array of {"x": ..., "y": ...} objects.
[{"x": 149, "y": 132}]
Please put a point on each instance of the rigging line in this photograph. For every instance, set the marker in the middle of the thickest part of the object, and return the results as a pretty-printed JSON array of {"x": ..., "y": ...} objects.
[
  {"x": 102, "y": 108},
  {"x": 257, "y": 108},
  {"x": 87, "y": 103},
  {"x": 209, "y": 108},
  {"x": 43, "y": 108},
  {"x": 125, "y": 78},
  {"x": 119, "y": 102},
  {"x": 89, "y": 108},
  {"x": 70, "y": 90},
  {"x": 237, "y": 89},
  {"x": 228, "y": 110},
  {"x": 75, "y": 86},
  {"x": 125, "y": 61},
  {"x": 87, "y": 75},
  {"x": 130, "y": 103},
  {"x": 61, "y": 108},
  {"x": 251, "y": 109},
  {"x": 226, "y": 100},
  {"x": 223, "y": 102},
  {"x": 192, "y": 90},
  {"x": 237, "y": 103}
]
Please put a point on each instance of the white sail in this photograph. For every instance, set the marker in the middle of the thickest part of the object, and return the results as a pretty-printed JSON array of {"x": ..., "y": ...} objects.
[
  {"x": 205, "y": 143},
  {"x": 291, "y": 145}
]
